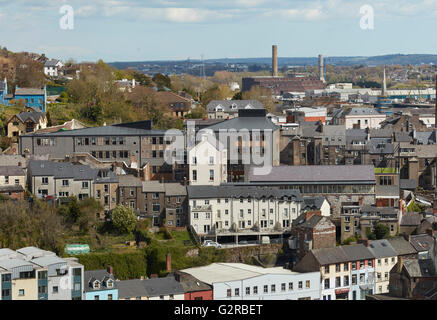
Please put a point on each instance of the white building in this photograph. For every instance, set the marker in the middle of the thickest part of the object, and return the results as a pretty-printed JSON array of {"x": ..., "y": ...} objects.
[
  {"x": 237, "y": 281},
  {"x": 208, "y": 162},
  {"x": 362, "y": 118},
  {"x": 242, "y": 209},
  {"x": 51, "y": 67},
  {"x": 385, "y": 259}
]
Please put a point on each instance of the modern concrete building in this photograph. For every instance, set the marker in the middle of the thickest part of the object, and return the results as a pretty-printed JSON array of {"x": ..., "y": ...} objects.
[
  {"x": 34, "y": 274},
  {"x": 237, "y": 281}
]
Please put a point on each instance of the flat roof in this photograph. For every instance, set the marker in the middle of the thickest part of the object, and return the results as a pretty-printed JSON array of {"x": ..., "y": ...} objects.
[{"x": 220, "y": 272}]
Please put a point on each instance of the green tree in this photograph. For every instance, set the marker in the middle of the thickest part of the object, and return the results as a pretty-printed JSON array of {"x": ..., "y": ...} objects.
[
  {"x": 123, "y": 219},
  {"x": 381, "y": 231},
  {"x": 162, "y": 81}
]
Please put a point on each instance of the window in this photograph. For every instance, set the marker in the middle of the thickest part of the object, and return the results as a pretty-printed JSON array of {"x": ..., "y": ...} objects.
[
  {"x": 196, "y": 215},
  {"x": 326, "y": 283},
  {"x": 370, "y": 263},
  {"x": 228, "y": 292},
  {"x": 266, "y": 289},
  {"x": 386, "y": 261},
  {"x": 65, "y": 182},
  {"x": 21, "y": 292},
  {"x": 84, "y": 184},
  {"x": 109, "y": 296},
  {"x": 42, "y": 274},
  {"x": 354, "y": 279},
  {"x": 326, "y": 269},
  {"x": 247, "y": 290},
  {"x": 379, "y": 262},
  {"x": 237, "y": 292},
  {"x": 290, "y": 286},
  {"x": 283, "y": 286},
  {"x": 156, "y": 207},
  {"x": 354, "y": 265},
  {"x": 255, "y": 290},
  {"x": 6, "y": 292},
  {"x": 55, "y": 289},
  {"x": 211, "y": 160},
  {"x": 386, "y": 275},
  {"x": 211, "y": 175},
  {"x": 337, "y": 267},
  {"x": 107, "y": 141},
  {"x": 194, "y": 175},
  {"x": 362, "y": 278},
  {"x": 7, "y": 277},
  {"x": 338, "y": 282},
  {"x": 362, "y": 264},
  {"x": 307, "y": 284},
  {"x": 45, "y": 180},
  {"x": 132, "y": 192},
  {"x": 273, "y": 288},
  {"x": 346, "y": 280},
  {"x": 346, "y": 267}
]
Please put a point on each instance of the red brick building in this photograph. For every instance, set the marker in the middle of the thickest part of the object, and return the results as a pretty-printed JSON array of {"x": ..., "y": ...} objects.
[{"x": 194, "y": 289}]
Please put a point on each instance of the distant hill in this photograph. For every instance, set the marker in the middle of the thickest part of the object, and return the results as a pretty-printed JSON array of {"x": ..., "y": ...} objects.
[{"x": 401, "y": 59}]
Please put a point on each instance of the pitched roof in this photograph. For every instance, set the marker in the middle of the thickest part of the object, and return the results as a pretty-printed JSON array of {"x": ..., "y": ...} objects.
[
  {"x": 313, "y": 203},
  {"x": 381, "y": 248},
  {"x": 245, "y": 122},
  {"x": 163, "y": 286},
  {"x": 62, "y": 170},
  {"x": 357, "y": 252},
  {"x": 421, "y": 242},
  {"x": 175, "y": 189},
  {"x": 129, "y": 181},
  {"x": 320, "y": 173},
  {"x": 131, "y": 288},
  {"x": 361, "y": 112},
  {"x": 401, "y": 246},
  {"x": 101, "y": 275},
  {"x": 330, "y": 255},
  {"x": 29, "y": 92},
  {"x": 419, "y": 268},
  {"x": 386, "y": 191},
  {"x": 241, "y": 191},
  {"x": 411, "y": 219},
  {"x": 408, "y": 184},
  {"x": 35, "y": 116},
  {"x": 152, "y": 186},
  {"x": 11, "y": 171}
]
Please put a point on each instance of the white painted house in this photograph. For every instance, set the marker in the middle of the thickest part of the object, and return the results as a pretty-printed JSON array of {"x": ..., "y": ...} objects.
[
  {"x": 52, "y": 67},
  {"x": 238, "y": 281}
]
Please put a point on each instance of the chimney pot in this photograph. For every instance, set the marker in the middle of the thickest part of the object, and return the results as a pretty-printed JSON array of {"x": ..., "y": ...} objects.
[{"x": 109, "y": 269}]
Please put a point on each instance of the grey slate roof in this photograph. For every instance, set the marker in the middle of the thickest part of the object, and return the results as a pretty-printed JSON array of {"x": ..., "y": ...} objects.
[
  {"x": 248, "y": 123},
  {"x": 11, "y": 188},
  {"x": 112, "y": 130},
  {"x": 336, "y": 132},
  {"x": 131, "y": 288},
  {"x": 11, "y": 171},
  {"x": 381, "y": 133},
  {"x": 310, "y": 223},
  {"x": 386, "y": 191},
  {"x": 361, "y": 111},
  {"x": 355, "y": 135},
  {"x": 403, "y": 137},
  {"x": 426, "y": 137},
  {"x": 129, "y": 181},
  {"x": 401, "y": 246},
  {"x": 163, "y": 286},
  {"x": 380, "y": 146},
  {"x": 411, "y": 219},
  {"x": 419, "y": 268},
  {"x": 152, "y": 186},
  {"x": 32, "y": 115},
  {"x": 313, "y": 203},
  {"x": 100, "y": 275},
  {"x": 237, "y": 191},
  {"x": 240, "y": 104},
  {"x": 421, "y": 242},
  {"x": 318, "y": 173},
  {"x": 175, "y": 189},
  {"x": 51, "y": 63},
  {"x": 62, "y": 170},
  {"x": 408, "y": 184},
  {"x": 327, "y": 256},
  {"x": 12, "y": 160},
  {"x": 29, "y": 91},
  {"x": 357, "y": 252},
  {"x": 381, "y": 248}
]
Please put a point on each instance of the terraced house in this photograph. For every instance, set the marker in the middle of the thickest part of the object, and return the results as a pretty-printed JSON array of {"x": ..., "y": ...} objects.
[{"x": 241, "y": 211}]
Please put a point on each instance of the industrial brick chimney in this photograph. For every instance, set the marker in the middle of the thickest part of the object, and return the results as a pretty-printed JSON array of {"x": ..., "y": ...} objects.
[
  {"x": 321, "y": 68},
  {"x": 275, "y": 60}
]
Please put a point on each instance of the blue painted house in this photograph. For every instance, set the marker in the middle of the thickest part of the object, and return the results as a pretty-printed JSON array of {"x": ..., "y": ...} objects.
[
  {"x": 3, "y": 91},
  {"x": 33, "y": 97},
  {"x": 100, "y": 285}
]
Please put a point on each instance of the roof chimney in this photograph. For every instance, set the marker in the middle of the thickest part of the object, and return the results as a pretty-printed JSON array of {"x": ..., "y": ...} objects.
[
  {"x": 109, "y": 269},
  {"x": 309, "y": 214},
  {"x": 430, "y": 232},
  {"x": 400, "y": 264},
  {"x": 275, "y": 60}
]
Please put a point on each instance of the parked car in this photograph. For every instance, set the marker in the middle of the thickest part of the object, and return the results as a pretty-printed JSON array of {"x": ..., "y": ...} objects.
[{"x": 210, "y": 243}]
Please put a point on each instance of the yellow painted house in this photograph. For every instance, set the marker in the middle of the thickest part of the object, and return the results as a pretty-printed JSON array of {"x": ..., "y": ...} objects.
[{"x": 26, "y": 122}]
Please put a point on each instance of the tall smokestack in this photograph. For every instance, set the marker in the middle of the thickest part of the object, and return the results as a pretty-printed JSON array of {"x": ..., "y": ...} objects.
[
  {"x": 321, "y": 68},
  {"x": 384, "y": 84},
  {"x": 275, "y": 60}
]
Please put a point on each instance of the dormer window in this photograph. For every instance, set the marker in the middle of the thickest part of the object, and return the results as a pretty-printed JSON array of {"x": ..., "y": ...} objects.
[
  {"x": 96, "y": 284},
  {"x": 233, "y": 106},
  {"x": 109, "y": 283}
]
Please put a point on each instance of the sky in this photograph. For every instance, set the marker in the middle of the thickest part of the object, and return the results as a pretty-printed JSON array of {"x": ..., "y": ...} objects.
[{"x": 140, "y": 30}]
